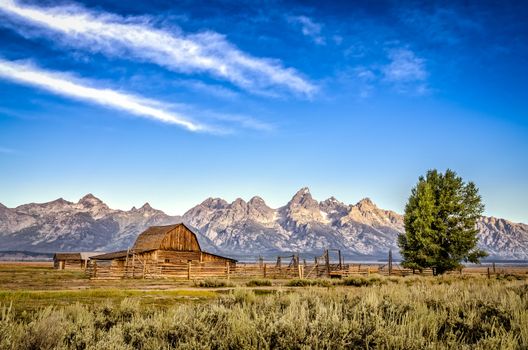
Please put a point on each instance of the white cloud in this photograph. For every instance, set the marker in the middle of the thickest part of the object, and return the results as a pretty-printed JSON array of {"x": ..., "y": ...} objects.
[
  {"x": 405, "y": 66},
  {"x": 406, "y": 72},
  {"x": 66, "y": 85},
  {"x": 206, "y": 52},
  {"x": 309, "y": 28}
]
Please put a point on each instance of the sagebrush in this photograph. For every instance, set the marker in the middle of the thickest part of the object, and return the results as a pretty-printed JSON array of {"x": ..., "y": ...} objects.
[{"x": 463, "y": 314}]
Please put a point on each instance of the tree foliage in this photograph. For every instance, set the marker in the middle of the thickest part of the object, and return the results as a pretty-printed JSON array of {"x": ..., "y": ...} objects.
[{"x": 440, "y": 223}]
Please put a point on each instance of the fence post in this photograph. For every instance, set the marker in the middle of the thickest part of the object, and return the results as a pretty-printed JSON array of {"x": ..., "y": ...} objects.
[
  {"x": 299, "y": 270},
  {"x": 390, "y": 262},
  {"x": 327, "y": 262},
  {"x": 488, "y": 272},
  {"x": 493, "y": 267},
  {"x": 189, "y": 269},
  {"x": 133, "y": 265},
  {"x": 265, "y": 265},
  {"x": 126, "y": 263}
]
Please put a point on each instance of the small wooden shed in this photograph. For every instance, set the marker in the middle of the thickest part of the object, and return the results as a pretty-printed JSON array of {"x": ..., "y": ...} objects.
[
  {"x": 158, "y": 251},
  {"x": 72, "y": 260}
]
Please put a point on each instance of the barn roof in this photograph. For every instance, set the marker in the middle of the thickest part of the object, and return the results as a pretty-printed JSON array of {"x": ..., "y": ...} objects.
[
  {"x": 117, "y": 255},
  {"x": 75, "y": 255},
  {"x": 67, "y": 256},
  {"x": 88, "y": 255},
  {"x": 150, "y": 240},
  {"x": 153, "y": 236},
  {"x": 220, "y": 256},
  {"x": 110, "y": 256}
]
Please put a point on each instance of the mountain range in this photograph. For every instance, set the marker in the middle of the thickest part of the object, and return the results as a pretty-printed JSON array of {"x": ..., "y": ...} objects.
[{"x": 238, "y": 229}]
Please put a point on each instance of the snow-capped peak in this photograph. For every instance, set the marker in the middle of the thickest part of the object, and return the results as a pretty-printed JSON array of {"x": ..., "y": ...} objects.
[
  {"x": 251, "y": 228},
  {"x": 90, "y": 200}
]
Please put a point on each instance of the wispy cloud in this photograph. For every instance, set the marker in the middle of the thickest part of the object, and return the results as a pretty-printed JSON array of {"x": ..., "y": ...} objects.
[
  {"x": 402, "y": 72},
  {"x": 366, "y": 78},
  {"x": 241, "y": 120},
  {"x": 406, "y": 71},
  {"x": 69, "y": 86},
  {"x": 309, "y": 28},
  {"x": 405, "y": 66},
  {"x": 205, "y": 52}
]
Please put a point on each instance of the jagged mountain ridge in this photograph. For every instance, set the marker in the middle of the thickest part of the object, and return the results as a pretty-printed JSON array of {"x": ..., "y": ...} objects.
[
  {"x": 239, "y": 228},
  {"x": 303, "y": 224},
  {"x": 306, "y": 225},
  {"x": 89, "y": 225}
]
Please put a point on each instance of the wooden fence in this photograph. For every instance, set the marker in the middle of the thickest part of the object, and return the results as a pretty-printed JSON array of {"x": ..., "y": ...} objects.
[{"x": 197, "y": 270}]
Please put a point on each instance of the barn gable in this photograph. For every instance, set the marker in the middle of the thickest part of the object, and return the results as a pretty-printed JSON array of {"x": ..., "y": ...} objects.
[
  {"x": 171, "y": 250},
  {"x": 171, "y": 237}
]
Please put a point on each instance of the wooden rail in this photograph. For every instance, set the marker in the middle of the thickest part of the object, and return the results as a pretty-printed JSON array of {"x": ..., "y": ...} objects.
[{"x": 197, "y": 270}]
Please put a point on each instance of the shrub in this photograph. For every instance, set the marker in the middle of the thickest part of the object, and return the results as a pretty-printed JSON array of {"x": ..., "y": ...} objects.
[
  {"x": 298, "y": 282},
  {"x": 466, "y": 314},
  {"x": 511, "y": 277},
  {"x": 362, "y": 281},
  {"x": 45, "y": 332},
  {"x": 258, "y": 283},
  {"x": 212, "y": 283}
]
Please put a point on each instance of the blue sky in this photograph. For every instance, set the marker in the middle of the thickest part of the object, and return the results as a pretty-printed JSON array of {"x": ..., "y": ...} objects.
[{"x": 171, "y": 103}]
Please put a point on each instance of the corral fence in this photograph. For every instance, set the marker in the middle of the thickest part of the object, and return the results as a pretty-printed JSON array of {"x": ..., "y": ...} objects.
[
  {"x": 203, "y": 270},
  {"x": 321, "y": 267}
]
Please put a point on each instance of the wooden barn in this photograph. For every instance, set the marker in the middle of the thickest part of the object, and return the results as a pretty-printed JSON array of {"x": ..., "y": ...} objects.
[
  {"x": 160, "y": 251},
  {"x": 72, "y": 260}
]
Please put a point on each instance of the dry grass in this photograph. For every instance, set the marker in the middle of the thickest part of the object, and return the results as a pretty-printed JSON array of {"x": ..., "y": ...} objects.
[
  {"x": 23, "y": 301},
  {"x": 424, "y": 313},
  {"x": 41, "y": 308}
]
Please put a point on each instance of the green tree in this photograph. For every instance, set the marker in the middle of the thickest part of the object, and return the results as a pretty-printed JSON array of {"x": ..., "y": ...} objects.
[{"x": 441, "y": 223}]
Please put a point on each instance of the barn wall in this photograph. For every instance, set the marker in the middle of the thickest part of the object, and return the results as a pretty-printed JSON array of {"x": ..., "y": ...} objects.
[
  {"x": 163, "y": 263},
  {"x": 69, "y": 264},
  {"x": 175, "y": 257},
  {"x": 181, "y": 239}
]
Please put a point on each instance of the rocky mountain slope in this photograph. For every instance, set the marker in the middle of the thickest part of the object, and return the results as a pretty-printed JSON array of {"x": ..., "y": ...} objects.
[
  {"x": 88, "y": 225},
  {"x": 239, "y": 228}
]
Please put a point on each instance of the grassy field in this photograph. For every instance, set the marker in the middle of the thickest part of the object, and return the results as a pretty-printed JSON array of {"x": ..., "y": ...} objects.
[{"x": 45, "y": 309}]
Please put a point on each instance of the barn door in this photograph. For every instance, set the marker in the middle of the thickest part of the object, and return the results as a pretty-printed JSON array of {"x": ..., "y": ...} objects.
[{"x": 61, "y": 264}]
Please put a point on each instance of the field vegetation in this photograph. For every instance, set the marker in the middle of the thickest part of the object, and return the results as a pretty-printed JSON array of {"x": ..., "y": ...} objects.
[{"x": 375, "y": 312}]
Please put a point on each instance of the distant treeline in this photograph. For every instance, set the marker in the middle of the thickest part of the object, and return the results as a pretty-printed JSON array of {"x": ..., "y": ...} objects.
[{"x": 15, "y": 255}]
